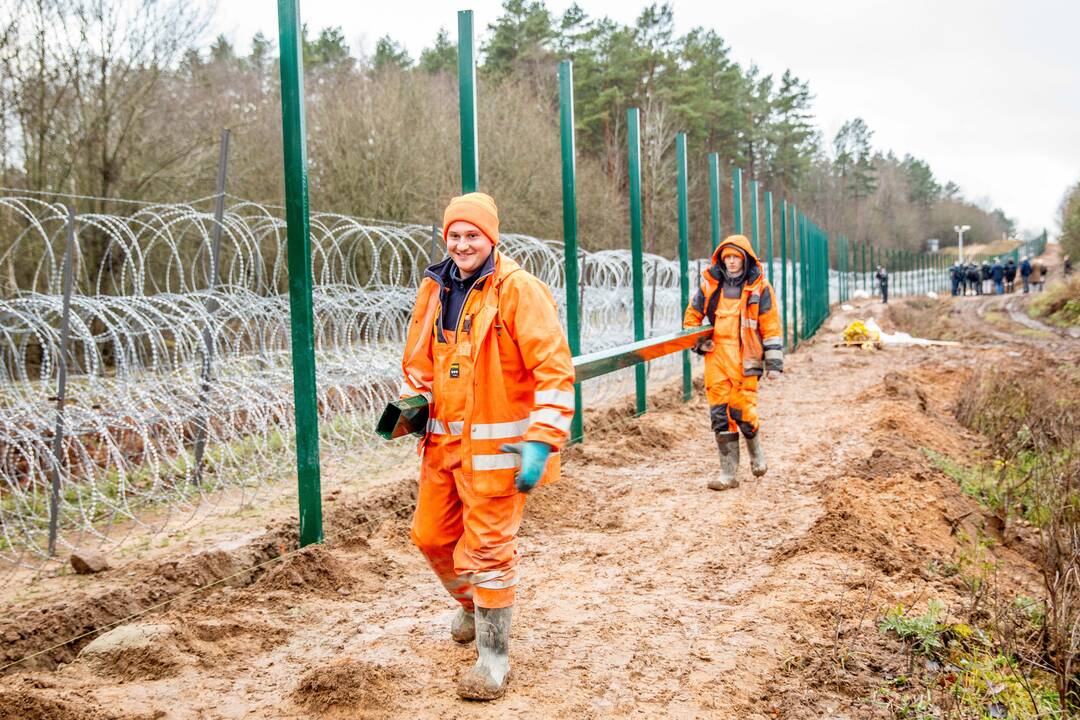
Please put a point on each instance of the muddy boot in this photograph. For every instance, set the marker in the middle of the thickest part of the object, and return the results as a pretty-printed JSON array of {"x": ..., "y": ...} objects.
[
  {"x": 463, "y": 627},
  {"x": 758, "y": 466},
  {"x": 487, "y": 678},
  {"x": 728, "y": 443}
]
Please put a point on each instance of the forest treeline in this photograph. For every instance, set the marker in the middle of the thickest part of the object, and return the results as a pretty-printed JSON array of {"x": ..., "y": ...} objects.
[
  {"x": 123, "y": 99},
  {"x": 1069, "y": 219}
]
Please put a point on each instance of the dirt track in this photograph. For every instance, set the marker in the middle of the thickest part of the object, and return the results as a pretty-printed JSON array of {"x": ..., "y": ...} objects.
[{"x": 643, "y": 593}]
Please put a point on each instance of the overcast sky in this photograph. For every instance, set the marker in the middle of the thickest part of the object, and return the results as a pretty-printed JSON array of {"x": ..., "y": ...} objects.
[{"x": 986, "y": 91}]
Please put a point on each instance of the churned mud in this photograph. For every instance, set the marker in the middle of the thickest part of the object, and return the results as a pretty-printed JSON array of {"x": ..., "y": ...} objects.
[{"x": 643, "y": 594}]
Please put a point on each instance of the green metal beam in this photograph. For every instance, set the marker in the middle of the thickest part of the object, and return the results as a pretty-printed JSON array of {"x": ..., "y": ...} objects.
[
  {"x": 470, "y": 159},
  {"x": 409, "y": 416},
  {"x": 600, "y": 363},
  {"x": 684, "y": 252},
  {"x": 299, "y": 263},
  {"x": 633, "y": 139},
  {"x": 570, "y": 230}
]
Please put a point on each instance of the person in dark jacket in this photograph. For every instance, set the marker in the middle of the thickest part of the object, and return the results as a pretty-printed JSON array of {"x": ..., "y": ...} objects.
[
  {"x": 956, "y": 274},
  {"x": 974, "y": 284},
  {"x": 1025, "y": 273},
  {"x": 984, "y": 272},
  {"x": 997, "y": 274},
  {"x": 1010, "y": 276},
  {"x": 1066, "y": 264},
  {"x": 882, "y": 277}
]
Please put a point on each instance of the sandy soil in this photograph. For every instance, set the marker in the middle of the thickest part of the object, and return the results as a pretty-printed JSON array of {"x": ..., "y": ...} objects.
[{"x": 644, "y": 593}]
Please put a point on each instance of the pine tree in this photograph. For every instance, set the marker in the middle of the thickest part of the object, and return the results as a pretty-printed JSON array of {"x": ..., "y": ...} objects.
[
  {"x": 792, "y": 135},
  {"x": 441, "y": 57},
  {"x": 523, "y": 33},
  {"x": 390, "y": 54}
]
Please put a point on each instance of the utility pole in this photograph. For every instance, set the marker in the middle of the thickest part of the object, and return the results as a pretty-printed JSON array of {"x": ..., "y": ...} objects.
[{"x": 960, "y": 230}]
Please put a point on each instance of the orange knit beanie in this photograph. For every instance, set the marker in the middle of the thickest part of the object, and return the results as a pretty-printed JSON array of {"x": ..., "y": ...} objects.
[
  {"x": 732, "y": 250},
  {"x": 476, "y": 208}
]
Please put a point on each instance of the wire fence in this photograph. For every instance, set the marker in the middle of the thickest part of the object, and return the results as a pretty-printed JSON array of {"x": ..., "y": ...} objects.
[{"x": 179, "y": 397}]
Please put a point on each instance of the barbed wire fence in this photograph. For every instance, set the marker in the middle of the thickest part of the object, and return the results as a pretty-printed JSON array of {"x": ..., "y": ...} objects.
[{"x": 178, "y": 397}]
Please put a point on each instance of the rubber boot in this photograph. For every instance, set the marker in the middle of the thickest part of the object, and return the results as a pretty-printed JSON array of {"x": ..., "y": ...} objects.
[
  {"x": 758, "y": 465},
  {"x": 487, "y": 678},
  {"x": 463, "y": 627},
  {"x": 728, "y": 444}
]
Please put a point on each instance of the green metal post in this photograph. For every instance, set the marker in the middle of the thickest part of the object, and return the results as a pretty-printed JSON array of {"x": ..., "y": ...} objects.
[
  {"x": 301, "y": 315},
  {"x": 755, "y": 238},
  {"x": 736, "y": 200},
  {"x": 470, "y": 160},
  {"x": 795, "y": 276},
  {"x": 783, "y": 271},
  {"x": 570, "y": 230},
  {"x": 864, "y": 265},
  {"x": 842, "y": 264},
  {"x": 714, "y": 200},
  {"x": 633, "y": 138},
  {"x": 769, "y": 232},
  {"x": 873, "y": 269},
  {"x": 684, "y": 252}
]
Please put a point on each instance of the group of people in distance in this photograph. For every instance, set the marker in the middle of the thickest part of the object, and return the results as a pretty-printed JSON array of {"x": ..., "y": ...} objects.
[{"x": 997, "y": 277}]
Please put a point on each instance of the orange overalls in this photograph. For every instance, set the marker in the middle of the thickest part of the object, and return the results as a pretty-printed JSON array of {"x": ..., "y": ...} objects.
[
  {"x": 746, "y": 338},
  {"x": 502, "y": 376}
]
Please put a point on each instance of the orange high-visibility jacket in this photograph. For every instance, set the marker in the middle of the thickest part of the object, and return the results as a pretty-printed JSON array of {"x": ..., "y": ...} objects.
[
  {"x": 522, "y": 374},
  {"x": 760, "y": 340}
]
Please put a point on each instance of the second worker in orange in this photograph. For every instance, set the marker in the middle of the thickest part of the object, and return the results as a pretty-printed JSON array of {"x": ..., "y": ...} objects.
[{"x": 746, "y": 343}]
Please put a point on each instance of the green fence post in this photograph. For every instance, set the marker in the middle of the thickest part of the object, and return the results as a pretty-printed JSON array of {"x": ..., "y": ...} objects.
[
  {"x": 845, "y": 270},
  {"x": 470, "y": 160},
  {"x": 714, "y": 201},
  {"x": 873, "y": 269},
  {"x": 783, "y": 271},
  {"x": 796, "y": 275},
  {"x": 570, "y": 239},
  {"x": 684, "y": 253},
  {"x": 864, "y": 265},
  {"x": 755, "y": 238},
  {"x": 803, "y": 268},
  {"x": 736, "y": 200},
  {"x": 769, "y": 232},
  {"x": 633, "y": 139},
  {"x": 301, "y": 315}
]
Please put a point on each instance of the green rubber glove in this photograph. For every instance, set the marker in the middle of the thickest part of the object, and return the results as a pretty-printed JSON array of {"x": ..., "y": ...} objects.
[{"x": 534, "y": 457}]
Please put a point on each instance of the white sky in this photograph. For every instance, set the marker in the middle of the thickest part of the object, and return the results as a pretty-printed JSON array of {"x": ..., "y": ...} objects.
[{"x": 986, "y": 91}]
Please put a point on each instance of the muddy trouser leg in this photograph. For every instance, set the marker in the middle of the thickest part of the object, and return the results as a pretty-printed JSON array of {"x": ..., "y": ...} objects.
[
  {"x": 488, "y": 554},
  {"x": 437, "y": 523},
  {"x": 718, "y": 389},
  {"x": 744, "y": 412}
]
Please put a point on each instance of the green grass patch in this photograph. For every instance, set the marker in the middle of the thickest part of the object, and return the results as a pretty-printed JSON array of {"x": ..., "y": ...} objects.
[
  {"x": 966, "y": 675},
  {"x": 1059, "y": 305}
]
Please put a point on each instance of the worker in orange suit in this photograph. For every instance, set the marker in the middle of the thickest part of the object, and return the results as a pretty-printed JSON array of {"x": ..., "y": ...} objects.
[
  {"x": 486, "y": 348},
  {"x": 746, "y": 342}
]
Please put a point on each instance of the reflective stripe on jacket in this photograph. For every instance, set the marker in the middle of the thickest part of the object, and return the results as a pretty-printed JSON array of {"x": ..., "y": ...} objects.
[
  {"x": 507, "y": 376},
  {"x": 761, "y": 342}
]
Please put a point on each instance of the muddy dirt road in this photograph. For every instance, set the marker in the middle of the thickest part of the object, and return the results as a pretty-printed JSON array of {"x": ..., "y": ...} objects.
[{"x": 643, "y": 595}]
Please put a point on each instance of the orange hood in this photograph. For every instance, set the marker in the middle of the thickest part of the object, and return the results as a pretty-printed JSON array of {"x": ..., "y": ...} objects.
[{"x": 742, "y": 243}]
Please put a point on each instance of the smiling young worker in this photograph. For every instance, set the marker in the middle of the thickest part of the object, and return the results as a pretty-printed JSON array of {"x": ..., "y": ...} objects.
[
  {"x": 485, "y": 345},
  {"x": 746, "y": 342}
]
